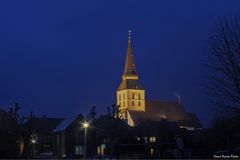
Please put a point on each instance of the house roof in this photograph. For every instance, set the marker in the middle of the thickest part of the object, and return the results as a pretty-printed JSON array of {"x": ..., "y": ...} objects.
[
  {"x": 2, "y": 112},
  {"x": 45, "y": 124},
  {"x": 65, "y": 124},
  {"x": 193, "y": 120},
  {"x": 171, "y": 110}
]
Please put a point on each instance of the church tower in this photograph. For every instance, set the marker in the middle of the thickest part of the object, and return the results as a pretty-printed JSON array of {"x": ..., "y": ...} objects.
[{"x": 130, "y": 94}]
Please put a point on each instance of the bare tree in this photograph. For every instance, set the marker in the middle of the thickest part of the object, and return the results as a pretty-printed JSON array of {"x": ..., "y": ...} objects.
[
  {"x": 224, "y": 65},
  {"x": 92, "y": 114}
]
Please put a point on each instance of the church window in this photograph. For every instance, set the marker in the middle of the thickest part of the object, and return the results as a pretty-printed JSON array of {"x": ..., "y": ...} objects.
[
  {"x": 139, "y": 103},
  {"x": 132, "y": 103}
]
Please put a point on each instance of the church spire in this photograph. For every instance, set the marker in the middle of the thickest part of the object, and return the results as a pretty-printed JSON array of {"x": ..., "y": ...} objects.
[
  {"x": 129, "y": 36},
  {"x": 129, "y": 70},
  {"x": 130, "y": 94}
]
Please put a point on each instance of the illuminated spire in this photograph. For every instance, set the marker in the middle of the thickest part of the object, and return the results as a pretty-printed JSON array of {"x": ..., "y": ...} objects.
[
  {"x": 130, "y": 76},
  {"x": 129, "y": 36},
  {"x": 129, "y": 70}
]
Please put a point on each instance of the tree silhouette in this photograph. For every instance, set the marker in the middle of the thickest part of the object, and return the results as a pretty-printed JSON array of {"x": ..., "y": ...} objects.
[
  {"x": 224, "y": 82},
  {"x": 15, "y": 130},
  {"x": 92, "y": 114},
  {"x": 224, "y": 66}
]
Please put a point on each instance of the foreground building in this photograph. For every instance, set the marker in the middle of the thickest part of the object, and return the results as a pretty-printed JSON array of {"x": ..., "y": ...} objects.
[
  {"x": 136, "y": 109},
  {"x": 42, "y": 128},
  {"x": 68, "y": 138}
]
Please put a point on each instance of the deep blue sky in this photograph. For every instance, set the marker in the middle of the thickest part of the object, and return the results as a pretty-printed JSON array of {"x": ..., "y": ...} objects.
[{"x": 59, "y": 58}]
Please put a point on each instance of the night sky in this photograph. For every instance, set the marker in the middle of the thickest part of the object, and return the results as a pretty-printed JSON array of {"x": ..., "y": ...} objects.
[{"x": 59, "y": 58}]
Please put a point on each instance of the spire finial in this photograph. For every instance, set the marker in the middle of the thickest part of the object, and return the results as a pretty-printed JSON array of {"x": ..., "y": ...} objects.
[{"x": 129, "y": 35}]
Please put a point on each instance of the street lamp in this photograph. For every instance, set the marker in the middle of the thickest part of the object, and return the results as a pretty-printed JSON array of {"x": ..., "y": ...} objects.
[
  {"x": 33, "y": 142},
  {"x": 85, "y": 126}
]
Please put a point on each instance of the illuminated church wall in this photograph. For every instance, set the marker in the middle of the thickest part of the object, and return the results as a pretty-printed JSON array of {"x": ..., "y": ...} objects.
[{"x": 131, "y": 99}]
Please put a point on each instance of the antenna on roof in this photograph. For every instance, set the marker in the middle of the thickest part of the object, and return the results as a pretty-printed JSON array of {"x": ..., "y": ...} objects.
[{"x": 179, "y": 97}]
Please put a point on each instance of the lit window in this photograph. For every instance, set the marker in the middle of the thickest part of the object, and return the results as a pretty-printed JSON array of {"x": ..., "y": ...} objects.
[
  {"x": 98, "y": 150},
  {"x": 78, "y": 150},
  {"x": 103, "y": 146},
  {"x": 138, "y": 138},
  {"x": 152, "y": 139},
  {"x": 151, "y": 151},
  {"x": 139, "y": 103}
]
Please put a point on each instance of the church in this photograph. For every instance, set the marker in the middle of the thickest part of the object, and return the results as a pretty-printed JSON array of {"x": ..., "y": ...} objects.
[{"x": 135, "y": 109}]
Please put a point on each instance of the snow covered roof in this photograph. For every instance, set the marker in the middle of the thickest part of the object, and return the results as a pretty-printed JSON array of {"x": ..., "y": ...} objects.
[{"x": 65, "y": 124}]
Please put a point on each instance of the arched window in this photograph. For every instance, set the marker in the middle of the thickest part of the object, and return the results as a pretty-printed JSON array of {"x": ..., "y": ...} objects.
[
  {"x": 133, "y": 95},
  {"x": 139, "y": 96},
  {"x": 132, "y": 103}
]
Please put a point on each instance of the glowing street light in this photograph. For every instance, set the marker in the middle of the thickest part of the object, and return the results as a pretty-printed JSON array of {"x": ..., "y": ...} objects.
[
  {"x": 33, "y": 141},
  {"x": 85, "y": 126}
]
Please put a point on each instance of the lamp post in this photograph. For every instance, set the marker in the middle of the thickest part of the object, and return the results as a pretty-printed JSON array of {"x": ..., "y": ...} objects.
[
  {"x": 85, "y": 126},
  {"x": 33, "y": 142}
]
